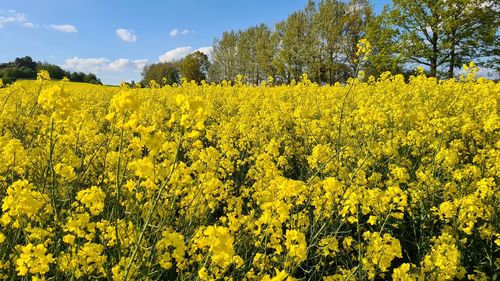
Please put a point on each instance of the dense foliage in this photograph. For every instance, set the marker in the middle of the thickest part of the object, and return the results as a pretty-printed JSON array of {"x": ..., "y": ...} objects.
[
  {"x": 321, "y": 39},
  {"x": 370, "y": 180},
  {"x": 194, "y": 67},
  {"x": 162, "y": 73}
]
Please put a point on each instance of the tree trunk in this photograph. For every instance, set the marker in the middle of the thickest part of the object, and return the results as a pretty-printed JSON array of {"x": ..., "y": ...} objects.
[
  {"x": 452, "y": 63},
  {"x": 434, "y": 55}
]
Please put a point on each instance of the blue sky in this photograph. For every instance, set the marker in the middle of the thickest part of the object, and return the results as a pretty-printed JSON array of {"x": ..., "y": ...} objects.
[{"x": 115, "y": 39}]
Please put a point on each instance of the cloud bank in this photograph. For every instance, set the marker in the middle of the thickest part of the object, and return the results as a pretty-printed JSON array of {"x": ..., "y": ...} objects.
[
  {"x": 100, "y": 65},
  {"x": 15, "y": 18},
  {"x": 181, "y": 52},
  {"x": 175, "y": 54}
]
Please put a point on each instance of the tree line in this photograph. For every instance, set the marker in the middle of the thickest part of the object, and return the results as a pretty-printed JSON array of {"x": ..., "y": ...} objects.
[
  {"x": 321, "y": 40},
  {"x": 26, "y": 68},
  {"x": 193, "y": 67}
]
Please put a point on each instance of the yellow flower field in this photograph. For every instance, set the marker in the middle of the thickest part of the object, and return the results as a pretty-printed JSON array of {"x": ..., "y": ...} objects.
[{"x": 382, "y": 179}]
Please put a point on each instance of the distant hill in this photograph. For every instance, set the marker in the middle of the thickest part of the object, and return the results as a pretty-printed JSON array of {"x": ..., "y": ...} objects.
[{"x": 26, "y": 68}]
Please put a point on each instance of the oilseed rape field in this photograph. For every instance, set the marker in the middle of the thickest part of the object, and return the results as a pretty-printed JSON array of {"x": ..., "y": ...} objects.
[{"x": 377, "y": 179}]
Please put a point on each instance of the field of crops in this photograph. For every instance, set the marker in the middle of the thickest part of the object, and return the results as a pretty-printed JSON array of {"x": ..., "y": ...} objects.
[{"x": 382, "y": 179}]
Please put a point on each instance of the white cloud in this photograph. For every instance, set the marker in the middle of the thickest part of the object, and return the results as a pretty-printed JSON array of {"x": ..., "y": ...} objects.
[
  {"x": 28, "y": 24},
  {"x": 126, "y": 35},
  {"x": 174, "y": 32},
  {"x": 118, "y": 65},
  {"x": 13, "y": 17},
  {"x": 176, "y": 54},
  {"x": 206, "y": 50},
  {"x": 181, "y": 52},
  {"x": 86, "y": 64},
  {"x": 139, "y": 64},
  {"x": 64, "y": 28},
  {"x": 110, "y": 72},
  {"x": 103, "y": 65}
]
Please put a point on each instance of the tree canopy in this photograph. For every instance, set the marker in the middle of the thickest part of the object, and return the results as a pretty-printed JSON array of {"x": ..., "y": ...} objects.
[
  {"x": 194, "y": 67},
  {"x": 439, "y": 33},
  {"x": 321, "y": 40},
  {"x": 163, "y": 73}
]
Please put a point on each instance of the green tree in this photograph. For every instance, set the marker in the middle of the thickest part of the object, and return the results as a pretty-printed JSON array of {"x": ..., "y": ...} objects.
[
  {"x": 329, "y": 25},
  {"x": 225, "y": 57},
  {"x": 77, "y": 76},
  {"x": 250, "y": 52},
  {"x": 247, "y": 55},
  {"x": 320, "y": 40},
  {"x": 25, "y": 62},
  {"x": 26, "y": 68},
  {"x": 298, "y": 47},
  {"x": 471, "y": 28},
  {"x": 13, "y": 73},
  {"x": 358, "y": 14},
  {"x": 445, "y": 33},
  {"x": 194, "y": 66},
  {"x": 91, "y": 78},
  {"x": 383, "y": 38},
  {"x": 55, "y": 71},
  {"x": 163, "y": 73},
  {"x": 266, "y": 45}
]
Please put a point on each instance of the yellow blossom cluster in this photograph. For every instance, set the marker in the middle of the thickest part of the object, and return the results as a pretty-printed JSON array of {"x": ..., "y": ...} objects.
[{"x": 388, "y": 178}]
